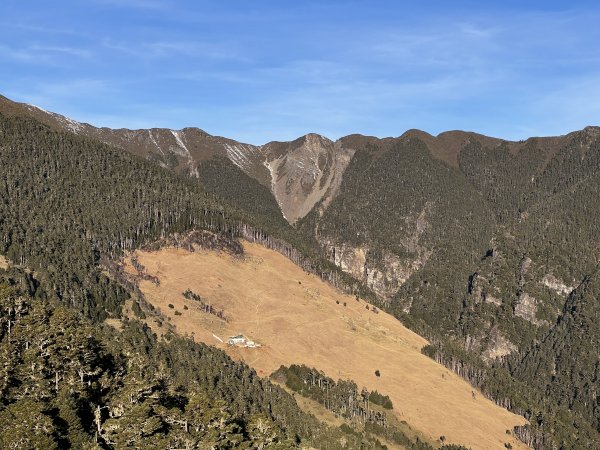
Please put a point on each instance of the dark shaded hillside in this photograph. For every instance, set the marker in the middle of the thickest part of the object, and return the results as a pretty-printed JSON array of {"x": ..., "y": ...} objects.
[
  {"x": 561, "y": 227},
  {"x": 545, "y": 198},
  {"x": 548, "y": 239},
  {"x": 566, "y": 363},
  {"x": 222, "y": 178},
  {"x": 515, "y": 180},
  {"x": 406, "y": 203},
  {"x": 67, "y": 200},
  {"x": 503, "y": 179},
  {"x": 498, "y": 241}
]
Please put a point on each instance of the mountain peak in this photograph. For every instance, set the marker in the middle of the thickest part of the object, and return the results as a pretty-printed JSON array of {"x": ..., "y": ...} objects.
[{"x": 315, "y": 137}]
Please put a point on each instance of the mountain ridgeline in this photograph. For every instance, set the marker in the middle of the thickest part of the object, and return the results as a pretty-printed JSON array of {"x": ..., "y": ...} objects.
[{"x": 488, "y": 248}]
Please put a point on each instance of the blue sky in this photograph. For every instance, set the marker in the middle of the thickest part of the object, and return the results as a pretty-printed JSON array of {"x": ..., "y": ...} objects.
[{"x": 274, "y": 70}]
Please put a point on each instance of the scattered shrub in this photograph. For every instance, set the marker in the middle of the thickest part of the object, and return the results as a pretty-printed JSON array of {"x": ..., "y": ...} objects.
[{"x": 381, "y": 400}]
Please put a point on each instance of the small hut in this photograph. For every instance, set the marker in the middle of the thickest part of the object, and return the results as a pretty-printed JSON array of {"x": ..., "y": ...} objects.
[{"x": 240, "y": 339}]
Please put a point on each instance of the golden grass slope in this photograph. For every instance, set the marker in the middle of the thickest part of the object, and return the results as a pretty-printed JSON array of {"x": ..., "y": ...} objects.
[
  {"x": 3, "y": 262},
  {"x": 297, "y": 319}
]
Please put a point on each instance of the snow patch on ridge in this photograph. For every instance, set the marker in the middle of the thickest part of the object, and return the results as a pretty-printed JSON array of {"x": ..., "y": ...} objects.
[
  {"x": 238, "y": 154},
  {"x": 70, "y": 124},
  {"x": 180, "y": 142},
  {"x": 29, "y": 105},
  {"x": 181, "y": 145},
  {"x": 155, "y": 143},
  {"x": 271, "y": 169}
]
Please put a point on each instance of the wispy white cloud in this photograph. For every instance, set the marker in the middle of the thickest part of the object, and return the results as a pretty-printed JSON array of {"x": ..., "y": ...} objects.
[
  {"x": 137, "y": 4},
  {"x": 43, "y": 54},
  {"x": 33, "y": 28},
  {"x": 164, "y": 49},
  {"x": 195, "y": 49},
  {"x": 47, "y": 94},
  {"x": 54, "y": 49}
]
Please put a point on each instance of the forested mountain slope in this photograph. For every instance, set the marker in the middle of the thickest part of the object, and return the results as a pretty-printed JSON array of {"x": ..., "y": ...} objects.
[
  {"x": 480, "y": 253},
  {"x": 565, "y": 363},
  {"x": 68, "y": 200}
]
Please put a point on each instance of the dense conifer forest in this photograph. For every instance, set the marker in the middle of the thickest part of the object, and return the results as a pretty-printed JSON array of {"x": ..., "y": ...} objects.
[
  {"x": 246, "y": 193},
  {"x": 508, "y": 234}
]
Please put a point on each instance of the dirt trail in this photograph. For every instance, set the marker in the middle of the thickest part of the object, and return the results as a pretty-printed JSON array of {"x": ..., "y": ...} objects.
[{"x": 296, "y": 319}]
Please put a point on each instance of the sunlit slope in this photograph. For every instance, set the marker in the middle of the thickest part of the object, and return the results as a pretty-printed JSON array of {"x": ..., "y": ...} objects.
[{"x": 297, "y": 319}]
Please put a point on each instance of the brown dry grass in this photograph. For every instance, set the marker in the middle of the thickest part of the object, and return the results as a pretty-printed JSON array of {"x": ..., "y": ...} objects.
[
  {"x": 115, "y": 323},
  {"x": 295, "y": 317},
  {"x": 3, "y": 262}
]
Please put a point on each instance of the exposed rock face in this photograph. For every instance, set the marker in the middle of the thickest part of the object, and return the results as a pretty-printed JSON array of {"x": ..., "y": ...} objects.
[
  {"x": 526, "y": 308},
  {"x": 525, "y": 265},
  {"x": 491, "y": 345},
  {"x": 341, "y": 158},
  {"x": 493, "y": 300},
  {"x": 251, "y": 160},
  {"x": 391, "y": 271},
  {"x": 385, "y": 282},
  {"x": 351, "y": 260},
  {"x": 498, "y": 346},
  {"x": 304, "y": 171},
  {"x": 394, "y": 274},
  {"x": 183, "y": 150},
  {"x": 550, "y": 281}
]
